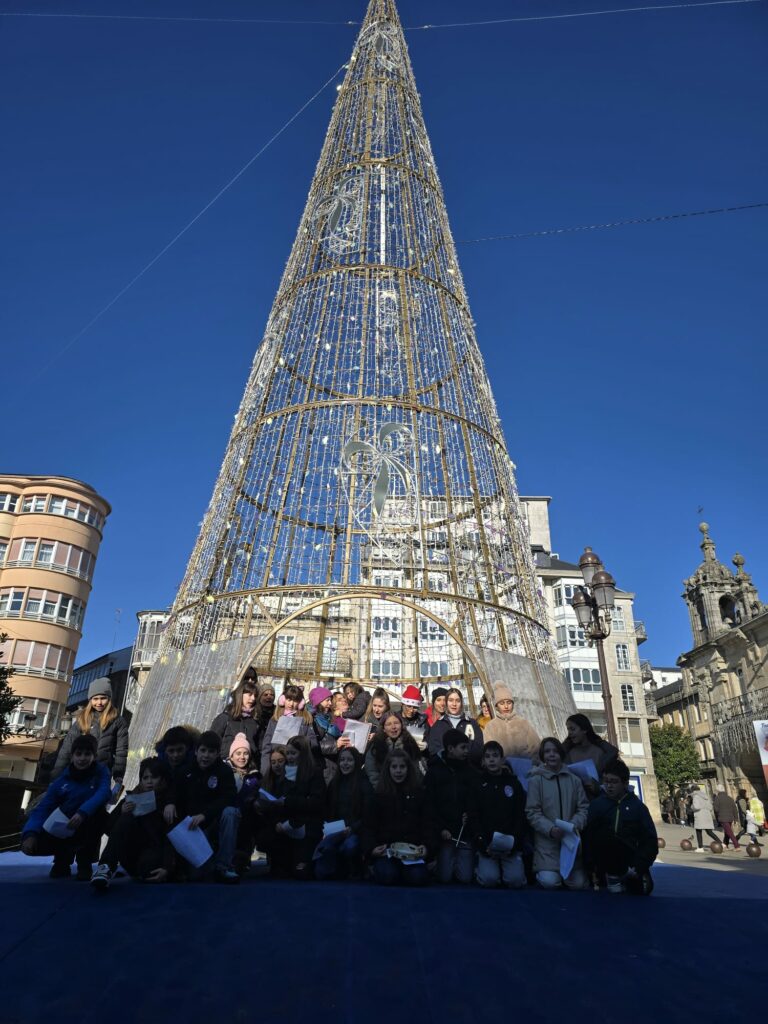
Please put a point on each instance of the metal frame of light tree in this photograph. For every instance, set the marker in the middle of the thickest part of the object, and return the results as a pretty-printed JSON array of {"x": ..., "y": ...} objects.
[{"x": 367, "y": 428}]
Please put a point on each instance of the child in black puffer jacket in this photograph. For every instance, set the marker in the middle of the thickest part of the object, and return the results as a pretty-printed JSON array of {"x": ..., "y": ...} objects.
[{"x": 500, "y": 812}]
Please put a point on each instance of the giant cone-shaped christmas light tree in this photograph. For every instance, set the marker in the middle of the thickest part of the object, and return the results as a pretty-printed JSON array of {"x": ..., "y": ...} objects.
[{"x": 365, "y": 524}]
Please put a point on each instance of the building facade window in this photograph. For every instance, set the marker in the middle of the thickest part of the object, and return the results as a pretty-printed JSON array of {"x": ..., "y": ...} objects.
[
  {"x": 433, "y": 668},
  {"x": 8, "y": 502},
  {"x": 561, "y": 636},
  {"x": 34, "y": 503},
  {"x": 285, "y": 647},
  {"x": 576, "y": 637},
  {"x": 431, "y": 632},
  {"x": 34, "y": 658},
  {"x": 3, "y": 550},
  {"x": 583, "y": 680},
  {"x": 617, "y": 619},
  {"x": 623, "y": 664},
  {"x": 628, "y": 697},
  {"x": 330, "y": 653},
  {"x": 631, "y": 737},
  {"x": 79, "y": 510},
  {"x": 385, "y": 667}
]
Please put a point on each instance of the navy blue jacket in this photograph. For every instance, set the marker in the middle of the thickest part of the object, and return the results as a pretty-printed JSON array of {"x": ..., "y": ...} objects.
[
  {"x": 628, "y": 820},
  {"x": 85, "y": 796}
]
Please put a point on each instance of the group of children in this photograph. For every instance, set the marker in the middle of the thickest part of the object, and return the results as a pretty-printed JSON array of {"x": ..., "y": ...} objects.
[{"x": 430, "y": 794}]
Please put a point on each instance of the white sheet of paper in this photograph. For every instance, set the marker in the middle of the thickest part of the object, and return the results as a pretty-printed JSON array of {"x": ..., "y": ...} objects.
[
  {"x": 521, "y": 766},
  {"x": 143, "y": 803},
  {"x": 584, "y": 769},
  {"x": 331, "y": 828},
  {"x": 293, "y": 833},
  {"x": 57, "y": 825},
  {"x": 287, "y": 726},
  {"x": 191, "y": 843},
  {"x": 407, "y": 863},
  {"x": 358, "y": 732},
  {"x": 569, "y": 847},
  {"x": 501, "y": 844}
]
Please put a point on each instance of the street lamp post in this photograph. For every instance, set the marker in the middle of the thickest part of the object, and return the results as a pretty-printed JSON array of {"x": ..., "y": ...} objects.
[{"x": 593, "y": 603}]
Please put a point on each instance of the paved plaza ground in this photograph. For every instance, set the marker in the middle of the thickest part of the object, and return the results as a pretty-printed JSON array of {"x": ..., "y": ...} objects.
[{"x": 272, "y": 951}]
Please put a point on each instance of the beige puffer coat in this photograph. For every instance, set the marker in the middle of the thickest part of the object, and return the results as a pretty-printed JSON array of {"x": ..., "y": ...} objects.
[
  {"x": 516, "y": 735},
  {"x": 553, "y": 795}
]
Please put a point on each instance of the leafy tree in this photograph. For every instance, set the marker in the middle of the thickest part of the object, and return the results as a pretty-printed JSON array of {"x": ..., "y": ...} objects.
[
  {"x": 8, "y": 699},
  {"x": 675, "y": 759}
]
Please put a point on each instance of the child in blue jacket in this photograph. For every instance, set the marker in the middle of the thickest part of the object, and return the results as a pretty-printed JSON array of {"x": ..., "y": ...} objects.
[{"x": 81, "y": 793}]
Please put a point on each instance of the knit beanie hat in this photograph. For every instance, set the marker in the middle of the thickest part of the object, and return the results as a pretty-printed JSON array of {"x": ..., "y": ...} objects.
[
  {"x": 100, "y": 686},
  {"x": 411, "y": 696},
  {"x": 240, "y": 741},
  {"x": 439, "y": 691},
  {"x": 318, "y": 695},
  {"x": 501, "y": 692}
]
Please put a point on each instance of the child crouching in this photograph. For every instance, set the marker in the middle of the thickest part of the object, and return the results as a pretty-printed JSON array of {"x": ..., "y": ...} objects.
[
  {"x": 501, "y": 809},
  {"x": 80, "y": 793},
  {"x": 138, "y": 840},
  {"x": 207, "y": 794}
]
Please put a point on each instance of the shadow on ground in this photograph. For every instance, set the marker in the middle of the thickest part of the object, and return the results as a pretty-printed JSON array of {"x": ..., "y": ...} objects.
[{"x": 268, "y": 951}]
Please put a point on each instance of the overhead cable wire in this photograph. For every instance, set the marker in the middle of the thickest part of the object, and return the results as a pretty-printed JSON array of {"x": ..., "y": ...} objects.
[
  {"x": 179, "y": 234},
  {"x": 610, "y": 224},
  {"x": 408, "y": 28},
  {"x": 581, "y": 14}
]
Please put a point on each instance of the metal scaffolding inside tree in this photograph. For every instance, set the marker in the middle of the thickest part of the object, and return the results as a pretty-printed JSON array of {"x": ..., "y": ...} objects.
[{"x": 365, "y": 524}]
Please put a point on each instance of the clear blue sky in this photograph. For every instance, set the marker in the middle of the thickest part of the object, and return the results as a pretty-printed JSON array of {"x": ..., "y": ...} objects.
[{"x": 629, "y": 364}]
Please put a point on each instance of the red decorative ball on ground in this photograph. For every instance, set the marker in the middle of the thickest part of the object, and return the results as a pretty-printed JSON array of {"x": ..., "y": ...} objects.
[
  {"x": 716, "y": 847},
  {"x": 662, "y": 843},
  {"x": 686, "y": 844},
  {"x": 753, "y": 850}
]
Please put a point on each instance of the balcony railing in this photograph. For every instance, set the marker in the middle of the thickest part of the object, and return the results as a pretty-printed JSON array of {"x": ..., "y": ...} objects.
[
  {"x": 27, "y": 563},
  {"x": 640, "y": 633},
  {"x": 733, "y": 720}
]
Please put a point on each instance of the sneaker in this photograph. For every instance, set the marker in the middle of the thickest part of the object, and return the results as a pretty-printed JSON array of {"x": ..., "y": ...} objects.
[
  {"x": 101, "y": 877},
  {"x": 60, "y": 871},
  {"x": 699, "y": 849},
  {"x": 228, "y": 876},
  {"x": 614, "y": 883}
]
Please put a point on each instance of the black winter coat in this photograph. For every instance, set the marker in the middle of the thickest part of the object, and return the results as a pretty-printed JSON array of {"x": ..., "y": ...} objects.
[
  {"x": 112, "y": 749},
  {"x": 628, "y": 820},
  {"x": 227, "y": 727},
  {"x": 304, "y": 804},
  {"x": 501, "y": 808},
  {"x": 206, "y": 791},
  {"x": 358, "y": 707},
  {"x": 468, "y": 726},
  {"x": 395, "y": 819},
  {"x": 452, "y": 790},
  {"x": 347, "y": 802}
]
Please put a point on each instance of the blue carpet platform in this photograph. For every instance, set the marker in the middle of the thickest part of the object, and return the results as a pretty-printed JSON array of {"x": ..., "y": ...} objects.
[{"x": 272, "y": 951}]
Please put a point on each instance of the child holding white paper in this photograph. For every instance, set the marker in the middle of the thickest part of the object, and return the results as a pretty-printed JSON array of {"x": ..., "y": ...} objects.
[
  {"x": 396, "y": 816},
  {"x": 80, "y": 793},
  {"x": 290, "y": 704},
  {"x": 207, "y": 794},
  {"x": 501, "y": 812},
  {"x": 555, "y": 794},
  {"x": 349, "y": 794},
  {"x": 582, "y": 744},
  {"x": 138, "y": 839},
  {"x": 292, "y": 821}
]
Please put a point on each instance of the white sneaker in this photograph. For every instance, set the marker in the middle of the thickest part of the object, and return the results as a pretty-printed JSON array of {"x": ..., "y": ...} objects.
[
  {"x": 101, "y": 877},
  {"x": 699, "y": 849}
]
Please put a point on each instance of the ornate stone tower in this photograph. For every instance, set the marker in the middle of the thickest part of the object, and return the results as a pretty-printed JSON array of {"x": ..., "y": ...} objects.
[
  {"x": 365, "y": 524},
  {"x": 716, "y": 598}
]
